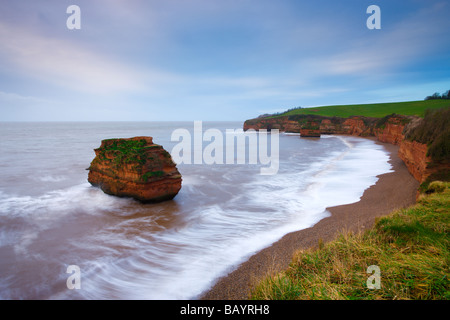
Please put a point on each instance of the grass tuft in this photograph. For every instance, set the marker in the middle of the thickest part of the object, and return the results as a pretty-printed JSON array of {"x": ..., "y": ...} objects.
[{"x": 436, "y": 186}]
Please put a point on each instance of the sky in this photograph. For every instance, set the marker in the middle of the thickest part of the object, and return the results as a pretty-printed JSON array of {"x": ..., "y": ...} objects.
[{"x": 186, "y": 60}]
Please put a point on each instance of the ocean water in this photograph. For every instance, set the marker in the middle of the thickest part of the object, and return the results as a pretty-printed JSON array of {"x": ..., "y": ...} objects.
[{"x": 51, "y": 217}]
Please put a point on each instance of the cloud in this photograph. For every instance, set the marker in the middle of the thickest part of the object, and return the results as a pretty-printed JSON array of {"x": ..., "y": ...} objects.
[
  {"x": 215, "y": 57},
  {"x": 8, "y": 97},
  {"x": 65, "y": 64},
  {"x": 407, "y": 41}
]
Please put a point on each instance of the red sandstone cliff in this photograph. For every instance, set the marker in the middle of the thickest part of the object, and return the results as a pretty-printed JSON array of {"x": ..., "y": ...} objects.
[
  {"x": 136, "y": 168},
  {"x": 280, "y": 123},
  {"x": 389, "y": 130},
  {"x": 392, "y": 130},
  {"x": 414, "y": 155}
]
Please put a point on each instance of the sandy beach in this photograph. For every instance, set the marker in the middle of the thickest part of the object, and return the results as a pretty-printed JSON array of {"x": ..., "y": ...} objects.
[{"x": 392, "y": 191}]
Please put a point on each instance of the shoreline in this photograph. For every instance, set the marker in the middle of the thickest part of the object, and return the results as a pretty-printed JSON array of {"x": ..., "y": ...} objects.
[{"x": 392, "y": 191}]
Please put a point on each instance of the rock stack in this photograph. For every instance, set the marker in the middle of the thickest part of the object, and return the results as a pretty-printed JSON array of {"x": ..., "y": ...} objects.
[{"x": 136, "y": 168}]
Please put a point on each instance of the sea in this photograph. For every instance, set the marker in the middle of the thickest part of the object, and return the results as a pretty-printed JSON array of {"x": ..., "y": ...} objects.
[{"x": 61, "y": 238}]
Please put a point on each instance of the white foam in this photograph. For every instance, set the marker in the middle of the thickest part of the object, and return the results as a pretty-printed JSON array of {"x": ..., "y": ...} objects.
[
  {"x": 41, "y": 213},
  {"x": 49, "y": 178},
  {"x": 292, "y": 203},
  {"x": 140, "y": 257},
  {"x": 58, "y": 202},
  {"x": 186, "y": 260}
]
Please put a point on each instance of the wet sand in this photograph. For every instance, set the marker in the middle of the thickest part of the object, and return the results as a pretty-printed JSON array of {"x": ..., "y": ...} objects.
[{"x": 392, "y": 191}]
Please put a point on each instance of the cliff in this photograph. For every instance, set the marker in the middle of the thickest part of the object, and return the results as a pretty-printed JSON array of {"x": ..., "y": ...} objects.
[
  {"x": 281, "y": 123},
  {"x": 414, "y": 155},
  {"x": 136, "y": 168},
  {"x": 390, "y": 129},
  {"x": 361, "y": 126}
]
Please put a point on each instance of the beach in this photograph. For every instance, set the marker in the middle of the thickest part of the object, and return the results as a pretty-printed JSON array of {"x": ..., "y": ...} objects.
[{"x": 392, "y": 191}]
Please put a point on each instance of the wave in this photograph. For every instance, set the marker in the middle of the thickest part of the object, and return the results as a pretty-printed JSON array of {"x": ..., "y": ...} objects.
[
  {"x": 215, "y": 238},
  {"x": 50, "y": 178},
  {"x": 176, "y": 249},
  {"x": 57, "y": 202}
]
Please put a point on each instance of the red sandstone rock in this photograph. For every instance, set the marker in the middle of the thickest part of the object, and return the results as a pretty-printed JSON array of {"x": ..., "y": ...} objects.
[
  {"x": 135, "y": 168},
  {"x": 392, "y": 131},
  {"x": 314, "y": 133},
  {"x": 280, "y": 123},
  {"x": 414, "y": 155},
  {"x": 310, "y": 129}
]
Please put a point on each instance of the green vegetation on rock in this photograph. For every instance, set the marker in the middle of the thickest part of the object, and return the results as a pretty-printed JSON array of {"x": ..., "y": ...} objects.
[
  {"x": 138, "y": 153},
  {"x": 123, "y": 151},
  {"x": 151, "y": 174}
]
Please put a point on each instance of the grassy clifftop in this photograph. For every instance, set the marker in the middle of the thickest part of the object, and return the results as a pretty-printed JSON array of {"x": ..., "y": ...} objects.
[
  {"x": 376, "y": 110},
  {"x": 411, "y": 248}
]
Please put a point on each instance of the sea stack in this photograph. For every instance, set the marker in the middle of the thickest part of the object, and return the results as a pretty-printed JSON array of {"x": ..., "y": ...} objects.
[{"x": 136, "y": 168}]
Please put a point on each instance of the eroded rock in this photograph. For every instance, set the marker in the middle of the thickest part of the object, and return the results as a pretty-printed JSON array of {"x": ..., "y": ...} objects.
[{"x": 136, "y": 168}]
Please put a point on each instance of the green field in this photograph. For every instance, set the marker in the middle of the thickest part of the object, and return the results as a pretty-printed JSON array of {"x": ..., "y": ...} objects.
[{"x": 377, "y": 110}]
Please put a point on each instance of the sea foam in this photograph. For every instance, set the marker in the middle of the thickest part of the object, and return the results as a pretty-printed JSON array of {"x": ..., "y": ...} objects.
[{"x": 177, "y": 249}]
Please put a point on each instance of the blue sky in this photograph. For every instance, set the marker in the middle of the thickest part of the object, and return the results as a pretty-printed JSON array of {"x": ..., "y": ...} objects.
[{"x": 215, "y": 60}]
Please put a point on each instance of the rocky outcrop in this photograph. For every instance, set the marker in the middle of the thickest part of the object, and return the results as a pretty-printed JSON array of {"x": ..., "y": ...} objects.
[
  {"x": 309, "y": 133},
  {"x": 280, "y": 123},
  {"x": 136, "y": 168},
  {"x": 310, "y": 128}
]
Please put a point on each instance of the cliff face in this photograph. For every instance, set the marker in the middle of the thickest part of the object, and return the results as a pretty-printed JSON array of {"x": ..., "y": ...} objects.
[
  {"x": 360, "y": 126},
  {"x": 357, "y": 126},
  {"x": 389, "y": 130},
  {"x": 281, "y": 123},
  {"x": 414, "y": 155},
  {"x": 136, "y": 168}
]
